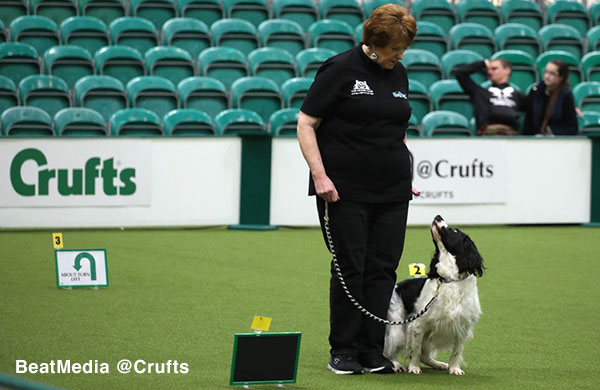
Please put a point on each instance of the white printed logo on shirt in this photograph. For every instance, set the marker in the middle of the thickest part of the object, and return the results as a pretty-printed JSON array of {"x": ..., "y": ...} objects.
[
  {"x": 361, "y": 88},
  {"x": 502, "y": 97}
]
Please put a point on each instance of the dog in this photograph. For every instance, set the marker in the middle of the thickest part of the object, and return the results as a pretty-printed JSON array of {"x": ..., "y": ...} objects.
[{"x": 449, "y": 322}]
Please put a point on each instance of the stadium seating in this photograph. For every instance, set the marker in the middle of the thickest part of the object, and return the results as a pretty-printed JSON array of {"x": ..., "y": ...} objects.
[
  {"x": 85, "y": 31},
  {"x": 206, "y": 11},
  {"x": 593, "y": 38},
  {"x": 105, "y": 10},
  {"x": 121, "y": 62},
  {"x": 50, "y": 93},
  {"x": 224, "y": 64},
  {"x": 235, "y": 33},
  {"x": 156, "y": 11},
  {"x": 430, "y": 37},
  {"x": 272, "y": 63},
  {"x": 571, "y": 13},
  {"x": 448, "y": 95},
  {"x": 575, "y": 72},
  {"x": 473, "y": 36},
  {"x": 587, "y": 95},
  {"x": 594, "y": 13},
  {"x": 236, "y": 121},
  {"x": 283, "y": 34},
  {"x": 349, "y": 11},
  {"x": 335, "y": 35},
  {"x": 482, "y": 12},
  {"x": 439, "y": 12},
  {"x": 254, "y": 11},
  {"x": 561, "y": 37},
  {"x": 191, "y": 35},
  {"x": 455, "y": 58},
  {"x": 258, "y": 94},
  {"x": 79, "y": 122},
  {"x": 57, "y": 10},
  {"x": 422, "y": 66},
  {"x": 134, "y": 32},
  {"x": 170, "y": 62},
  {"x": 154, "y": 93},
  {"x": 12, "y": 9},
  {"x": 414, "y": 129},
  {"x": 303, "y": 12},
  {"x": 68, "y": 62},
  {"x": 524, "y": 71},
  {"x": 370, "y": 5},
  {"x": 188, "y": 122},
  {"x": 18, "y": 60},
  {"x": 3, "y": 33},
  {"x": 38, "y": 31},
  {"x": 8, "y": 94},
  {"x": 294, "y": 90},
  {"x": 590, "y": 124},
  {"x": 590, "y": 65},
  {"x": 135, "y": 122},
  {"x": 446, "y": 124},
  {"x": 308, "y": 61},
  {"x": 284, "y": 122},
  {"x": 203, "y": 93},
  {"x": 26, "y": 122},
  {"x": 103, "y": 94},
  {"x": 420, "y": 101},
  {"x": 526, "y": 12},
  {"x": 517, "y": 36}
]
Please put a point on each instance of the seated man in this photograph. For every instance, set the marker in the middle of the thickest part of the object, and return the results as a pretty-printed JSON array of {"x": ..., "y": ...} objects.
[{"x": 495, "y": 108}]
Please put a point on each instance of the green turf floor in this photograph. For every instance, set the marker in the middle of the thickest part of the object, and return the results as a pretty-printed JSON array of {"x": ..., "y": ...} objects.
[{"x": 183, "y": 294}]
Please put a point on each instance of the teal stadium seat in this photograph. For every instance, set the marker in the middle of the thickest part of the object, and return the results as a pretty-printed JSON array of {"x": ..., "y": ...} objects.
[
  {"x": 235, "y": 33},
  {"x": 224, "y": 64},
  {"x": 414, "y": 129},
  {"x": 514, "y": 36},
  {"x": 189, "y": 34},
  {"x": 418, "y": 95},
  {"x": 482, "y": 12},
  {"x": 121, "y": 62},
  {"x": 349, "y": 11},
  {"x": 571, "y": 13},
  {"x": 38, "y": 31},
  {"x": 187, "y": 122},
  {"x": 524, "y": 72},
  {"x": 455, "y": 58},
  {"x": 422, "y": 66},
  {"x": 575, "y": 72},
  {"x": 206, "y": 11},
  {"x": 593, "y": 39},
  {"x": 57, "y": 10},
  {"x": 79, "y": 122},
  {"x": 8, "y": 94},
  {"x": 331, "y": 34},
  {"x": 590, "y": 124},
  {"x": 134, "y": 32},
  {"x": 254, "y": 11},
  {"x": 475, "y": 37},
  {"x": 153, "y": 93},
  {"x": 448, "y": 95},
  {"x": 561, "y": 37},
  {"x": 275, "y": 64},
  {"x": 237, "y": 121},
  {"x": 18, "y": 60},
  {"x": 203, "y": 93},
  {"x": 587, "y": 95},
  {"x": 303, "y": 12},
  {"x": 105, "y": 10},
  {"x": 156, "y": 11},
  {"x": 446, "y": 124},
  {"x": 12, "y": 9},
  {"x": 590, "y": 65},
  {"x": 26, "y": 122},
  {"x": 594, "y": 13},
  {"x": 3, "y": 32},
  {"x": 258, "y": 94},
  {"x": 430, "y": 37},
  {"x": 310, "y": 60},
  {"x": 68, "y": 62},
  {"x": 370, "y": 5},
  {"x": 170, "y": 62},
  {"x": 49, "y": 93},
  {"x": 294, "y": 91},
  {"x": 86, "y": 31},
  {"x": 526, "y": 12},
  {"x": 104, "y": 94},
  {"x": 135, "y": 122},
  {"x": 439, "y": 12},
  {"x": 282, "y": 34},
  {"x": 284, "y": 122}
]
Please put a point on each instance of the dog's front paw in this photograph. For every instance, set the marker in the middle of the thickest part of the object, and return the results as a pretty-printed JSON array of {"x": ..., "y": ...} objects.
[
  {"x": 414, "y": 370},
  {"x": 456, "y": 371},
  {"x": 398, "y": 367}
]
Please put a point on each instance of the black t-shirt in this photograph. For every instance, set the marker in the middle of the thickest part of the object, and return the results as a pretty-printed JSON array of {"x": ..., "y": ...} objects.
[{"x": 365, "y": 113}]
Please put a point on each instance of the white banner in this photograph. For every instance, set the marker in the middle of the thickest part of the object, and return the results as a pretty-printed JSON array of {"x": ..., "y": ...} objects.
[
  {"x": 459, "y": 171},
  {"x": 67, "y": 173}
]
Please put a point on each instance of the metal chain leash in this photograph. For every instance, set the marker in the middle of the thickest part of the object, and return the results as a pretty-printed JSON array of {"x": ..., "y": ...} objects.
[{"x": 367, "y": 313}]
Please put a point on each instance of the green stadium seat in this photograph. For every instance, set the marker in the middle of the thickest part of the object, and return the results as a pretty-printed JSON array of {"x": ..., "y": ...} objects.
[
  {"x": 571, "y": 13},
  {"x": 235, "y": 33},
  {"x": 590, "y": 124},
  {"x": 18, "y": 60},
  {"x": 561, "y": 37},
  {"x": 475, "y": 37},
  {"x": 156, "y": 11},
  {"x": 186, "y": 122},
  {"x": 349, "y": 11},
  {"x": 294, "y": 91},
  {"x": 189, "y": 34},
  {"x": 12, "y": 9},
  {"x": 590, "y": 65},
  {"x": 430, "y": 37},
  {"x": 154, "y": 93},
  {"x": 86, "y": 31},
  {"x": 414, "y": 129},
  {"x": 50, "y": 93},
  {"x": 68, "y": 62},
  {"x": 514, "y": 36},
  {"x": 448, "y": 95},
  {"x": 284, "y": 122},
  {"x": 206, "y": 11},
  {"x": 254, "y": 11},
  {"x": 310, "y": 60},
  {"x": 575, "y": 72},
  {"x": 282, "y": 34},
  {"x": 422, "y": 66},
  {"x": 482, "y": 12},
  {"x": 26, "y": 122},
  {"x": 237, "y": 121},
  {"x": 8, "y": 94},
  {"x": 526, "y": 12},
  {"x": 523, "y": 66},
  {"x": 224, "y": 64},
  {"x": 331, "y": 34},
  {"x": 134, "y": 32},
  {"x": 594, "y": 13},
  {"x": 446, "y": 124},
  {"x": 303, "y": 12},
  {"x": 418, "y": 95},
  {"x": 3, "y": 32},
  {"x": 38, "y": 31},
  {"x": 105, "y": 10},
  {"x": 104, "y": 94},
  {"x": 258, "y": 94},
  {"x": 587, "y": 95},
  {"x": 455, "y": 58},
  {"x": 57, "y": 10},
  {"x": 170, "y": 62},
  {"x": 358, "y": 33},
  {"x": 439, "y": 12},
  {"x": 79, "y": 122},
  {"x": 203, "y": 93},
  {"x": 121, "y": 62},
  {"x": 135, "y": 122},
  {"x": 370, "y": 5},
  {"x": 593, "y": 39},
  {"x": 272, "y": 63}
]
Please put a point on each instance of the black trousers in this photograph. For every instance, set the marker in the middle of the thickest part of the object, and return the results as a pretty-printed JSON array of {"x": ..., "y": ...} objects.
[{"x": 368, "y": 239}]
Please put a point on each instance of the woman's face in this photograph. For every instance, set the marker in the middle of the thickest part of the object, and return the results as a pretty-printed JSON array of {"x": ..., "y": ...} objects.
[
  {"x": 551, "y": 77},
  {"x": 389, "y": 55}
]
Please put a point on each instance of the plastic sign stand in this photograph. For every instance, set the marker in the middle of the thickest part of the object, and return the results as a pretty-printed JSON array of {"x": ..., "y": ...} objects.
[{"x": 81, "y": 268}]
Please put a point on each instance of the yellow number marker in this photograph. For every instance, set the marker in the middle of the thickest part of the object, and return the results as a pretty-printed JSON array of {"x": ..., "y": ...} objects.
[
  {"x": 417, "y": 270},
  {"x": 57, "y": 240},
  {"x": 261, "y": 323}
]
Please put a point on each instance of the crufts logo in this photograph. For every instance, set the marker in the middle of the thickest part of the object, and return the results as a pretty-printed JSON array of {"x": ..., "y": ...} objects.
[
  {"x": 445, "y": 169},
  {"x": 70, "y": 181}
]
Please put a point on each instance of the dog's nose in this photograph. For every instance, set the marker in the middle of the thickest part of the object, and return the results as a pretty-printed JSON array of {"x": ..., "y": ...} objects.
[{"x": 438, "y": 218}]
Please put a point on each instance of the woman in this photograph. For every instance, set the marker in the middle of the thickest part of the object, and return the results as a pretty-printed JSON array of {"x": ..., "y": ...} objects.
[
  {"x": 352, "y": 132},
  {"x": 550, "y": 104}
]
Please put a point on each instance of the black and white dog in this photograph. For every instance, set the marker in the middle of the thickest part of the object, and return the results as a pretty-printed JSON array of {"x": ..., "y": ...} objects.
[{"x": 449, "y": 322}]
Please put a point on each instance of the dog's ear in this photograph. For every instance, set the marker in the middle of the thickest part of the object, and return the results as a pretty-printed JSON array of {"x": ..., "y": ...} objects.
[{"x": 471, "y": 261}]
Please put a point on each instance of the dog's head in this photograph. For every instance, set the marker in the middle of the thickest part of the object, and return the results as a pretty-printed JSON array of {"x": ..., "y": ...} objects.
[{"x": 456, "y": 256}]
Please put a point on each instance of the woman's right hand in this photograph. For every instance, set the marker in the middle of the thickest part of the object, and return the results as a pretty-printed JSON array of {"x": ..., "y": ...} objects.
[{"x": 325, "y": 189}]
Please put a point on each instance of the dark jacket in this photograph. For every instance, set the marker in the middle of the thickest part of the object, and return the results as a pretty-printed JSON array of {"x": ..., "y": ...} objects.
[{"x": 562, "y": 120}]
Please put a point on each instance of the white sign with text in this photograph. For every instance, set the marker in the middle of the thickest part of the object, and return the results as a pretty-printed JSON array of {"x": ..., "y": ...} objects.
[{"x": 81, "y": 267}]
